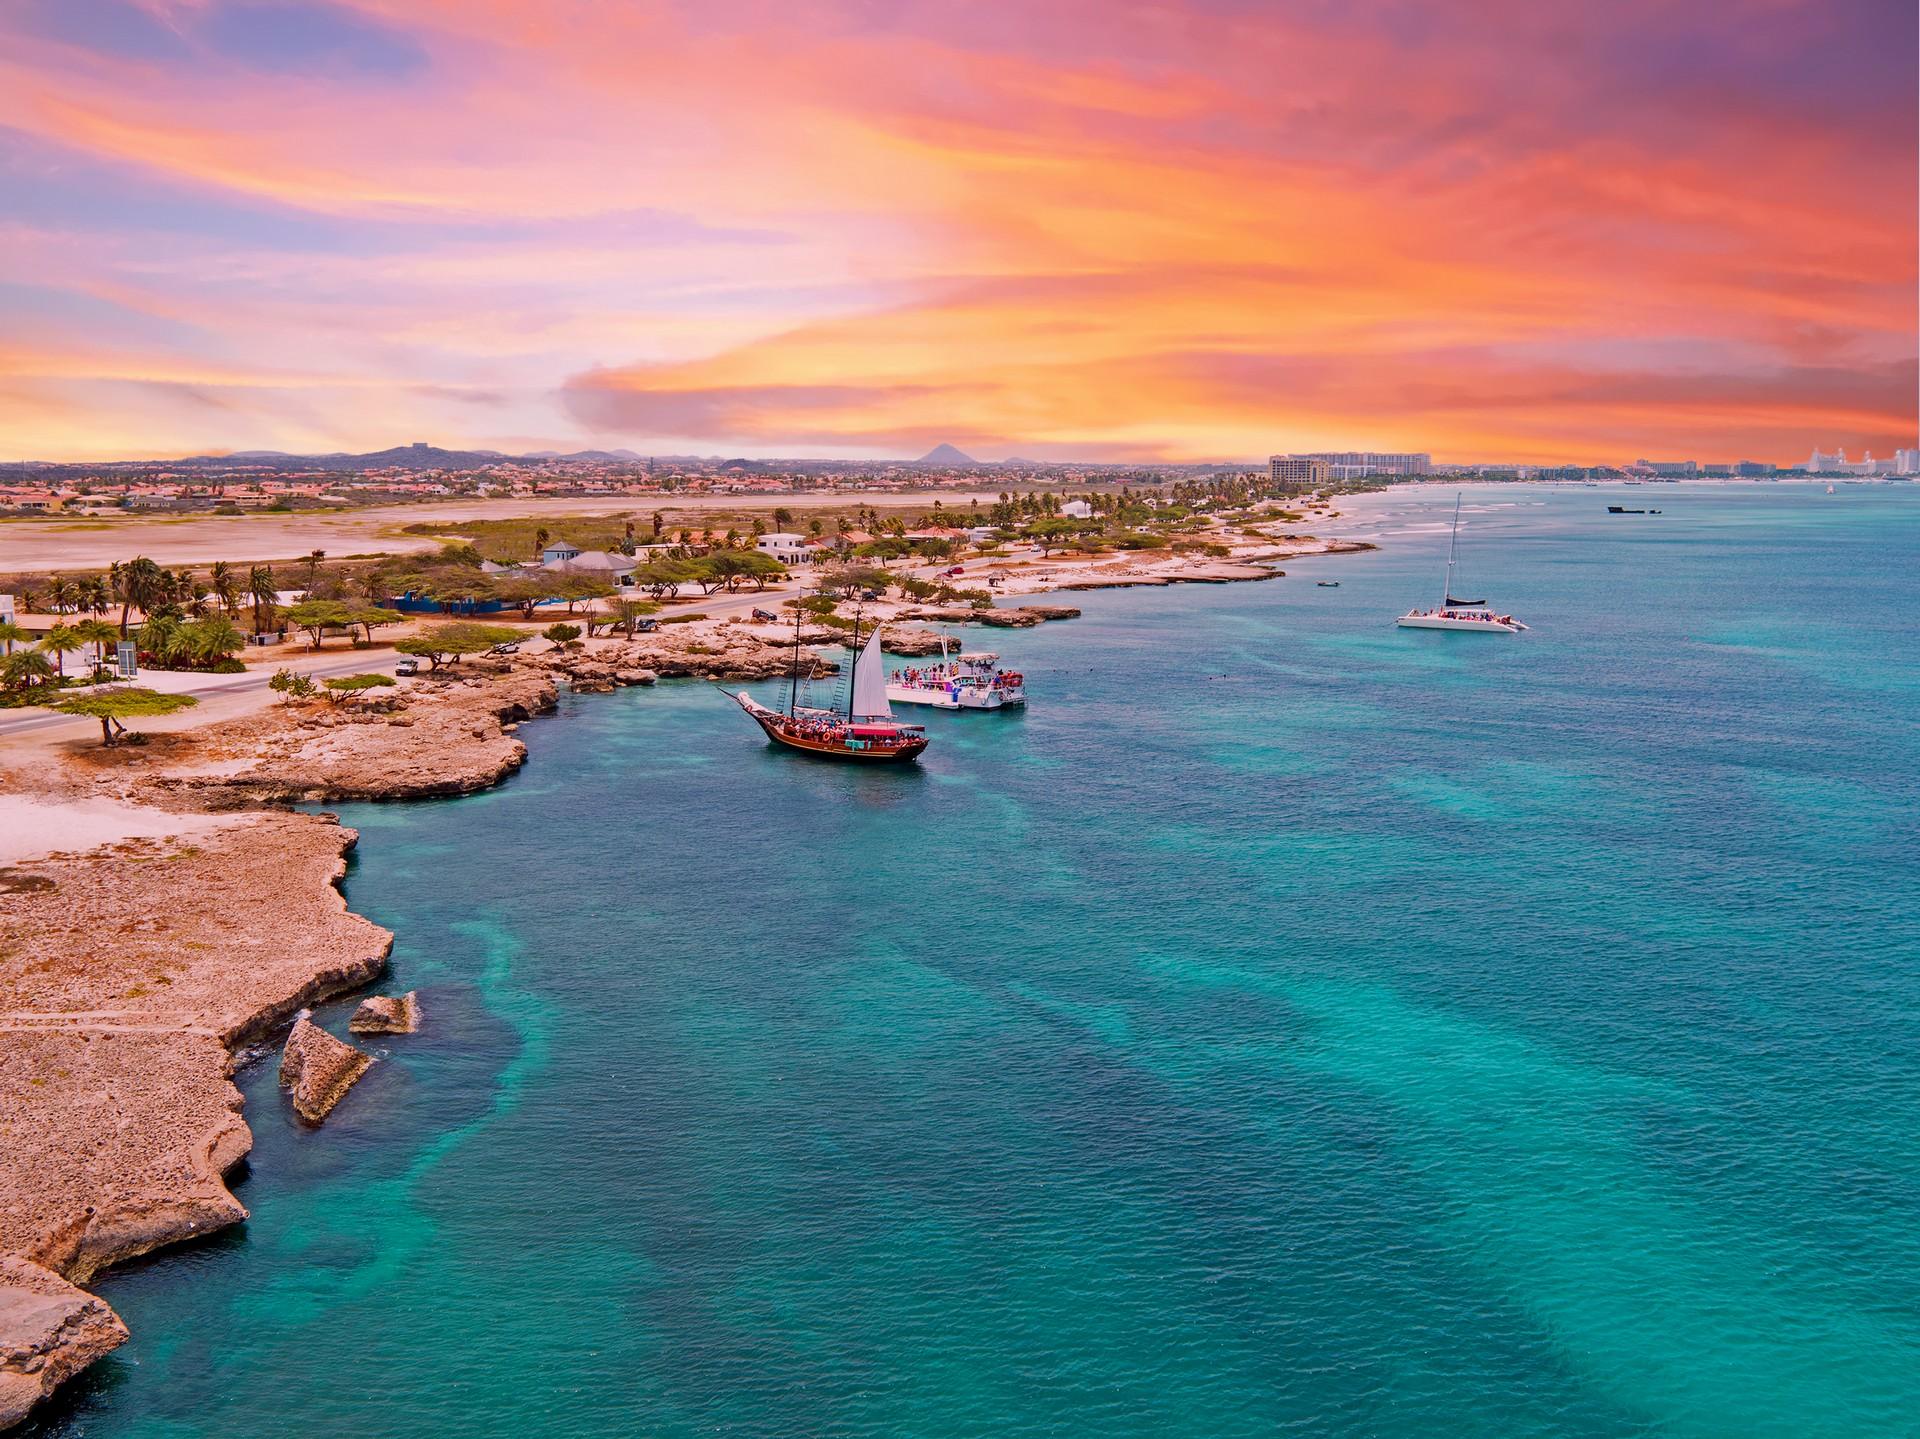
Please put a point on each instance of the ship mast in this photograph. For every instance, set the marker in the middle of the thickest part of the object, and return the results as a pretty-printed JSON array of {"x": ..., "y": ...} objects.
[
  {"x": 853, "y": 666},
  {"x": 1446, "y": 594},
  {"x": 793, "y": 683}
]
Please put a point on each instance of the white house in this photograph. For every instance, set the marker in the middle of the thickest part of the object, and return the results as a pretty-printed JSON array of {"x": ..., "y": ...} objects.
[
  {"x": 788, "y": 549},
  {"x": 1076, "y": 510}
]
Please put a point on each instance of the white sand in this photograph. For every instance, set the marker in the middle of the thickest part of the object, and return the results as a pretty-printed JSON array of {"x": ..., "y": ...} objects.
[{"x": 31, "y": 827}]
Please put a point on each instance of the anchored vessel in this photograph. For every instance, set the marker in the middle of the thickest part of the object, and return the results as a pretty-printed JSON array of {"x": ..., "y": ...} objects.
[
  {"x": 968, "y": 681},
  {"x": 1457, "y": 614},
  {"x": 866, "y": 734}
]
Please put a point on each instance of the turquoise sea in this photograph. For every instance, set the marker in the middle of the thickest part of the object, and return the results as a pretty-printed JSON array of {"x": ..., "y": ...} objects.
[{"x": 1294, "y": 1025}]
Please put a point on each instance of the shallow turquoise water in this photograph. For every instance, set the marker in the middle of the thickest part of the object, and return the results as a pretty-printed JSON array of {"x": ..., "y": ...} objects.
[{"x": 1293, "y": 1025}]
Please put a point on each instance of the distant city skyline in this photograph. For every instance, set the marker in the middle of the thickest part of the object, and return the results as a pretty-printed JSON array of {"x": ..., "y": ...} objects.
[{"x": 1532, "y": 233}]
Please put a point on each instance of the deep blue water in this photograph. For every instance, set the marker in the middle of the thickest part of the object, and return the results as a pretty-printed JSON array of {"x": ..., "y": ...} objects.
[{"x": 1292, "y": 1025}]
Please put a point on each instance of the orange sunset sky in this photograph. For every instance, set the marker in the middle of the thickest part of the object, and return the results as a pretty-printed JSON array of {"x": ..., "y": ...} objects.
[{"x": 1488, "y": 229}]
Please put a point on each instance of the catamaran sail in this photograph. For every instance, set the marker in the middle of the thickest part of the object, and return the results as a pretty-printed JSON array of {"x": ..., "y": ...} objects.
[
  {"x": 1453, "y": 547},
  {"x": 869, "y": 699}
]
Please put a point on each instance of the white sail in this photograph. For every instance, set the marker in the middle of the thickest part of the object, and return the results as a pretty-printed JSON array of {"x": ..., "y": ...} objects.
[{"x": 870, "y": 682}]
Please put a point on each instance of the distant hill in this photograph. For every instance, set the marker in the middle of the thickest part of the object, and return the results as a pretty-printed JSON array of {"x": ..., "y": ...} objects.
[{"x": 946, "y": 455}]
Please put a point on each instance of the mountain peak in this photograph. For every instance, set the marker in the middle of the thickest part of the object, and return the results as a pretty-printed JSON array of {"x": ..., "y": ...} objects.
[{"x": 946, "y": 455}]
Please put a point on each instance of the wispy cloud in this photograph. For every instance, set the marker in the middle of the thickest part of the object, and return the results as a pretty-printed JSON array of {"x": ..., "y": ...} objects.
[{"x": 1544, "y": 230}]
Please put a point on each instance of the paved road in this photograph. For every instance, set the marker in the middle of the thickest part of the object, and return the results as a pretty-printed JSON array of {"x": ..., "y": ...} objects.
[{"x": 201, "y": 687}]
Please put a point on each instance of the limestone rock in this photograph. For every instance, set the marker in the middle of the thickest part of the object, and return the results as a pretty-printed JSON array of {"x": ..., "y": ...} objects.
[
  {"x": 914, "y": 643},
  {"x": 49, "y": 1332},
  {"x": 387, "y": 1014},
  {"x": 319, "y": 1068}
]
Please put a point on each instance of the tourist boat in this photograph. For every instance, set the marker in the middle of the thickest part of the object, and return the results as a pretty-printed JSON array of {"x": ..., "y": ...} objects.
[
  {"x": 968, "y": 681},
  {"x": 866, "y": 734},
  {"x": 1457, "y": 614},
  {"x": 1328, "y": 584}
]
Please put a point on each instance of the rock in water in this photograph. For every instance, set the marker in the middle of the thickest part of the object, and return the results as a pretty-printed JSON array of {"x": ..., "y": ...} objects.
[
  {"x": 49, "y": 1332},
  {"x": 318, "y": 1068},
  {"x": 387, "y": 1014}
]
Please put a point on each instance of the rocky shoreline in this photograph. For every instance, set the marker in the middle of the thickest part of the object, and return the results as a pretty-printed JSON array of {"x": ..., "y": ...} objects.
[{"x": 126, "y": 1014}]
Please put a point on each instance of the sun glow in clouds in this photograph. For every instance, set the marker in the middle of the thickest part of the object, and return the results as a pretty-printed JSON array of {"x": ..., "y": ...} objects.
[{"x": 1533, "y": 231}]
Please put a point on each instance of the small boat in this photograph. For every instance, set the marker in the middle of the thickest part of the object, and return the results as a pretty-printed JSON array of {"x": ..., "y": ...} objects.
[
  {"x": 1328, "y": 584},
  {"x": 866, "y": 734},
  {"x": 968, "y": 681},
  {"x": 1457, "y": 614},
  {"x": 1829, "y": 489},
  {"x": 1623, "y": 510}
]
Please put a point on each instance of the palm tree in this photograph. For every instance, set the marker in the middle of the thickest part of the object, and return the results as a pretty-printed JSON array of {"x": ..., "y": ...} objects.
[
  {"x": 25, "y": 670},
  {"x": 61, "y": 641},
  {"x": 12, "y": 634},
  {"x": 540, "y": 538},
  {"x": 163, "y": 637},
  {"x": 226, "y": 586},
  {"x": 260, "y": 589},
  {"x": 213, "y": 639},
  {"x": 59, "y": 595},
  {"x": 313, "y": 566},
  {"x": 139, "y": 584},
  {"x": 101, "y": 635},
  {"x": 97, "y": 597}
]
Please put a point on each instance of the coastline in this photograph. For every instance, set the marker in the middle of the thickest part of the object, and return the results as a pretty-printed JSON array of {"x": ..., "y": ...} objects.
[{"x": 123, "y": 1052}]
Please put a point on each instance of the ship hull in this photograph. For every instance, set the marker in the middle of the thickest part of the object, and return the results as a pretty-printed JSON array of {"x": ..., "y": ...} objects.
[
  {"x": 971, "y": 698},
  {"x": 1441, "y": 622},
  {"x": 773, "y": 723}
]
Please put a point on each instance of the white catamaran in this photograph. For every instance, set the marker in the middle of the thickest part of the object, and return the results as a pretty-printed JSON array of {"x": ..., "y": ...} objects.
[
  {"x": 1457, "y": 614},
  {"x": 968, "y": 681}
]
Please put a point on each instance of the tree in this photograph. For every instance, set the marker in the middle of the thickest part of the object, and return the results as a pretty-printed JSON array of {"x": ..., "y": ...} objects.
[
  {"x": 138, "y": 584},
  {"x": 213, "y": 639},
  {"x": 59, "y": 594},
  {"x": 291, "y": 685},
  {"x": 560, "y": 634},
  {"x": 163, "y": 639},
  {"x": 61, "y": 641},
  {"x": 260, "y": 589},
  {"x": 101, "y": 635},
  {"x": 663, "y": 577},
  {"x": 524, "y": 591},
  {"x": 1051, "y": 534},
  {"x": 783, "y": 518},
  {"x": 25, "y": 670},
  {"x": 316, "y": 617},
  {"x": 627, "y": 614},
  {"x": 540, "y": 538},
  {"x": 12, "y": 634},
  {"x": 574, "y": 588},
  {"x": 226, "y": 586},
  {"x": 345, "y": 686},
  {"x": 111, "y": 705},
  {"x": 447, "y": 643},
  {"x": 314, "y": 558},
  {"x": 369, "y": 617}
]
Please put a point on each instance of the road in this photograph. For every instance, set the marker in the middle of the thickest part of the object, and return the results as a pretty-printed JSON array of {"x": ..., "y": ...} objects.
[{"x": 220, "y": 696}]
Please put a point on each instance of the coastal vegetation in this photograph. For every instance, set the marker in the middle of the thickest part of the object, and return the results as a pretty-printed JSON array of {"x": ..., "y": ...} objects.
[
  {"x": 342, "y": 687},
  {"x": 112, "y": 705},
  {"x": 445, "y": 644}
]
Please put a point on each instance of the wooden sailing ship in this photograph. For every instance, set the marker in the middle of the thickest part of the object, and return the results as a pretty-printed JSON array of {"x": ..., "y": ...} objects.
[{"x": 866, "y": 733}]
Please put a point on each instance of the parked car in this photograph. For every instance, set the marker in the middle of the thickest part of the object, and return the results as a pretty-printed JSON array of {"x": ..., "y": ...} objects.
[
  {"x": 765, "y": 616},
  {"x": 511, "y": 647},
  {"x": 646, "y": 627},
  {"x": 872, "y": 594},
  {"x": 955, "y": 572},
  {"x": 407, "y": 667}
]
